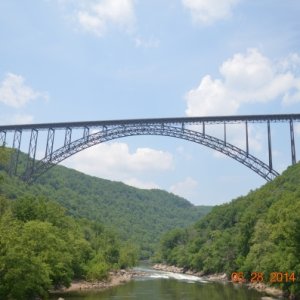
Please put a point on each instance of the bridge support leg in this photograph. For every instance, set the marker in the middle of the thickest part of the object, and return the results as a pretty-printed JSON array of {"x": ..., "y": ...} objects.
[
  {"x": 293, "y": 147},
  {"x": 203, "y": 128},
  {"x": 225, "y": 137},
  {"x": 270, "y": 147},
  {"x": 31, "y": 154},
  {"x": 50, "y": 142},
  {"x": 86, "y": 133},
  {"x": 68, "y": 137},
  {"x": 247, "y": 139},
  {"x": 2, "y": 138},
  {"x": 16, "y": 152}
]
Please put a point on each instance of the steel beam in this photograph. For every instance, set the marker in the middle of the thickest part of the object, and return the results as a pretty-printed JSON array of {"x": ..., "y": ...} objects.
[
  {"x": 50, "y": 143},
  {"x": 247, "y": 138},
  {"x": 225, "y": 138},
  {"x": 31, "y": 153},
  {"x": 169, "y": 121},
  {"x": 270, "y": 146},
  {"x": 293, "y": 147},
  {"x": 86, "y": 133},
  {"x": 104, "y": 130},
  {"x": 16, "y": 153},
  {"x": 68, "y": 137}
]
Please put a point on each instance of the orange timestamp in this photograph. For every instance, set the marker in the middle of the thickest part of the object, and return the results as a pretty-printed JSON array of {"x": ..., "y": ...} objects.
[{"x": 274, "y": 277}]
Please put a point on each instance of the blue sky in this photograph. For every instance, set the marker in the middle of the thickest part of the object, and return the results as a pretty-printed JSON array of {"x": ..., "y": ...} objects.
[{"x": 71, "y": 60}]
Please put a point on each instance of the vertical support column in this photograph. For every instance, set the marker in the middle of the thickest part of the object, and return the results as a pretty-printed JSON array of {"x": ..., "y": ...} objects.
[
  {"x": 270, "y": 146},
  {"x": 86, "y": 133},
  {"x": 225, "y": 138},
  {"x": 182, "y": 127},
  {"x": 203, "y": 128},
  {"x": 50, "y": 142},
  {"x": 16, "y": 152},
  {"x": 104, "y": 130},
  {"x": 247, "y": 139},
  {"x": 293, "y": 147},
  {"x": 2, "y": 138},
  {"x": 31, "y": 153},
  {"x": 68, "y": 137}
]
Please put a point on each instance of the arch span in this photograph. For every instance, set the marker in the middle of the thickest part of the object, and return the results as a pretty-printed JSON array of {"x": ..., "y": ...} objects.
[{"x": 108, "y": 134}]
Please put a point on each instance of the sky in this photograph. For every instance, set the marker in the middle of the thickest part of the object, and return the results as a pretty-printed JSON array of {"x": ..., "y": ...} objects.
[{"x": 71, "y": 60}]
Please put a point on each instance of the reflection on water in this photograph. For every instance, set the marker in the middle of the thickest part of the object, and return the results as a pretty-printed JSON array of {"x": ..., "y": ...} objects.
[{"x": 169, "y": 286}]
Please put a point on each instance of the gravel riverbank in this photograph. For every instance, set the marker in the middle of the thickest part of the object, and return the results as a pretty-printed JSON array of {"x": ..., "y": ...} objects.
[{"x": 115, "y": 278}]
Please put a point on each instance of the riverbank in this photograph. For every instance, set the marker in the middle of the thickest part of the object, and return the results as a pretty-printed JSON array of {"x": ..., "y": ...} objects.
[
  {"x": 115, "y": 278},
  {"x": 174, "y": 269},
  {"x": 261, "y": 287}
]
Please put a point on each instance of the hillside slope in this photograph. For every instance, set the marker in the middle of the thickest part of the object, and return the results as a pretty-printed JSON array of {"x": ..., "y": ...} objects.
[
  {"x": 137, "y": 215},
  {"x": 256, "y": 233}
]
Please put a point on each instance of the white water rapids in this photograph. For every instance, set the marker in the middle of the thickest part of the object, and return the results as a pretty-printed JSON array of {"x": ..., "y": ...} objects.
[{"x": 156, "y": 274}]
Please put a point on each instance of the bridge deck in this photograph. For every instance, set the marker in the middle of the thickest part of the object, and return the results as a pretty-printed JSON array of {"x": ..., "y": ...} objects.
[{"x": 186, "y": 120}]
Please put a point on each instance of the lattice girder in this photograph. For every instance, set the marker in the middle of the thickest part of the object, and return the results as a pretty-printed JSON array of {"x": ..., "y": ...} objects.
[{"x": 126, "y": 130}]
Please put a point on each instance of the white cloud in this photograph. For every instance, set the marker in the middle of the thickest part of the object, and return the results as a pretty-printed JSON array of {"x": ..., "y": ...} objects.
[
  {"x": 291, "y": 62},
  {"x": 15, "y": 93},
  {"x": 115, "y": 161},
  {"x": 146, "y": 43},
  {"x": 246, "y": 78},
  {"x": 22, "y": 119},
  {"x": 188, "y": 188},
  {"x": 141, "y": 184},
  {"x": 209, "y": 11},
  {"x": 210, "y": 97},
  {"x": 16, "y": 119},
  {"x": 97, "y": 16}
]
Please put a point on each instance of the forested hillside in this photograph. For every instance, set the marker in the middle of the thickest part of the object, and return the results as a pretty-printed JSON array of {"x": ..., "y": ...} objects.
[
  {"x": 72, "y": 226},
  {"x": 256, "y": 233},
  {"x": 43, "y": 248},
  {"x": 140, "y": 216}
]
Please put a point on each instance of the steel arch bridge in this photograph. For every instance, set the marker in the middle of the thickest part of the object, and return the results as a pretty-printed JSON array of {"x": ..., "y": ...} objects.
[{"x": 96, "y": 132}]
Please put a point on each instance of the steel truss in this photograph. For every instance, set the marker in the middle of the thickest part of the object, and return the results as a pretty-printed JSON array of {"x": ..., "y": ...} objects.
[
  {"x": 16, "y": 153},
  {"x": 2, "y": 138},
  {"x": 107, "y": 134},
  {"x": 115, "y": 129}
]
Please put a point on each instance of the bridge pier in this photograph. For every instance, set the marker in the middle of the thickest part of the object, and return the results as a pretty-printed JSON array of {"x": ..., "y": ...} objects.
[
  {"x": 68, "y": 137},
  {"x": 270, "y": 146},
  {"x": 86, "y": 133},
  {"x": 16, "y": 153},
  {"x": 293, "y": 147},
  {"x": 2, "y": 138},
  {"x": 225, "y": 137},
  {"x": 247, "y": 138},
  {"x": 50, "y": 143},
  {"x": 31, "y": 154}
]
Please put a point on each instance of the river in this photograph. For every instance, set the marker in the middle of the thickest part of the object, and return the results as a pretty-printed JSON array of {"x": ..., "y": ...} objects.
[{"x": 158, "y": 285}]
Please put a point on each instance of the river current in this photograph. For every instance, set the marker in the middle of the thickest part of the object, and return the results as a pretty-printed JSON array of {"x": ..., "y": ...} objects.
[{"x": 158, "y": 285}]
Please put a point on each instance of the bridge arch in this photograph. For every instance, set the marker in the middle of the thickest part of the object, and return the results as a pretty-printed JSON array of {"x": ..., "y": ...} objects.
[{"x": 136, "y": 129}]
